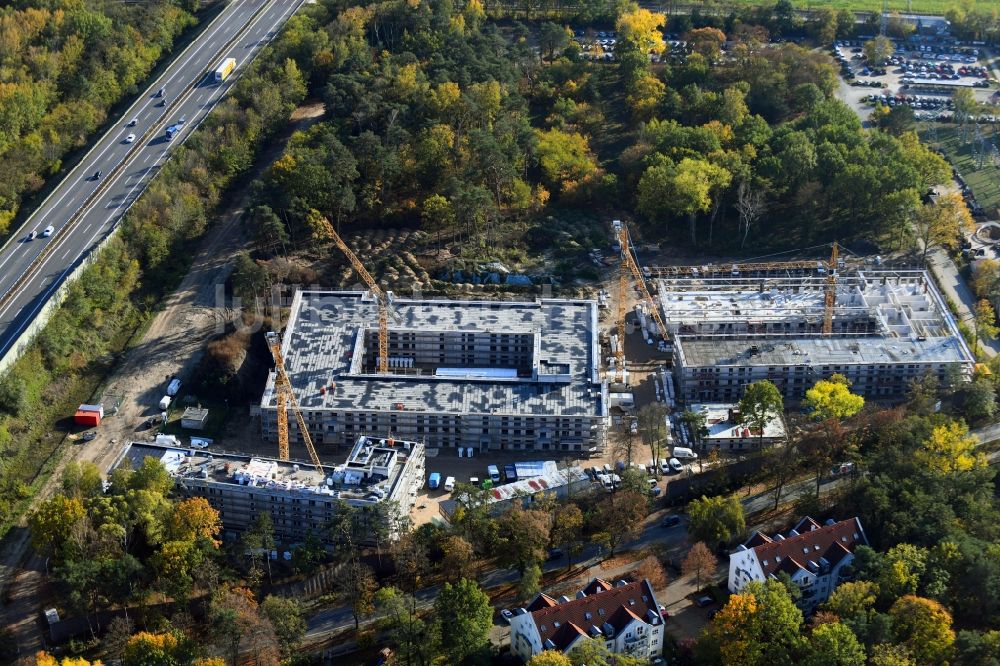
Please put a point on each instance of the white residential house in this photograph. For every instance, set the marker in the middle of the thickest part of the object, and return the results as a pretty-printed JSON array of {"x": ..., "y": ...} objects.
[
  {"x": 625, "y": 616},
  {"x": 812, "y": 554}
]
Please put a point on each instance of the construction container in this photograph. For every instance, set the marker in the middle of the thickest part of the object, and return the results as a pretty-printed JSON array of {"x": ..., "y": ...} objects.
[{"x": 87, "y": 418}]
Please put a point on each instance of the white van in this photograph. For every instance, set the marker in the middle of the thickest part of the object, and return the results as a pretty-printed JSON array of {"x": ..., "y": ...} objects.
[
  {"x": 449, "y": 484},
  {"x": 165, "y": 402},
  {"x": 683, "y": 452},
  {"x": 168, "y": 440},
  {"x": 494, "y": 473}
]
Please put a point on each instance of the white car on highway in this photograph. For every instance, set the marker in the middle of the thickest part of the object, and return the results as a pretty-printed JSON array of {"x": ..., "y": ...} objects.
[
  {"x": 48, "y": 231},
  {"x": 130, "y": 138}
]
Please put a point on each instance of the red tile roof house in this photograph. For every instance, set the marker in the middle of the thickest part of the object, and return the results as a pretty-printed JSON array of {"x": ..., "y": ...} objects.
[
  {"x": 812, "y": 554},
  {"x": 624, "y": 615}
]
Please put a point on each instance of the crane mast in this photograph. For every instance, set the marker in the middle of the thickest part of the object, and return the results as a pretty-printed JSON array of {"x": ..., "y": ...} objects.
[
  {"x": 283, "y": 396},
  {"x": 628, "y": 261},
  {"x": 830, "y": 298},
  {"x": 380, "y": 296}
]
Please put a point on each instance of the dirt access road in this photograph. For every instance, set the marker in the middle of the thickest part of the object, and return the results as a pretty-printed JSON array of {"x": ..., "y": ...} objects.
[{"x": 171, "y": 347}]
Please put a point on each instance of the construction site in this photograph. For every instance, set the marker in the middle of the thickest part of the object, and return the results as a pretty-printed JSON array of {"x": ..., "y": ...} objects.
[
  {"x": 300, "y": 498},
  {"x": 878, "y": 328},
  {"x": 491, "y": 375}
]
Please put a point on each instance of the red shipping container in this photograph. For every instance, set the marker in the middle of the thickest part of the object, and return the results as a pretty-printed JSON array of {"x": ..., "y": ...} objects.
[{"x": 87, "y": 418}]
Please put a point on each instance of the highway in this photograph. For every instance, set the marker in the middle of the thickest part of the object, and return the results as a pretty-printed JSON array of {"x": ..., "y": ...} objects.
[{"x": 82, "y": 210}]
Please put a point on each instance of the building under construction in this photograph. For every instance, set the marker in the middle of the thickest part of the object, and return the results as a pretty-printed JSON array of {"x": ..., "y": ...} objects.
[
  {"x": 490, "y": 375},
  {"x": 882, "y": 329},
  {"x": 300, "y": 498}
]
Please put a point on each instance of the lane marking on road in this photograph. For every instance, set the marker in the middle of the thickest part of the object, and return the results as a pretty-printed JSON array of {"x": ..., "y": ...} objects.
[
  {"x": 285, "y": 12},
  {"x": 181, "y": 69}
]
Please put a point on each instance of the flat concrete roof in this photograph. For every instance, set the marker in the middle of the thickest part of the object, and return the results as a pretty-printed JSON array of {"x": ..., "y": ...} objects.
[
  {"x": 720, "y": 427},
  {"x": 368, "y": 475},
  {"x": 817, "y": 351},
  {"x": 907, "y": 318},
  {"x": 321, "y": 340}
]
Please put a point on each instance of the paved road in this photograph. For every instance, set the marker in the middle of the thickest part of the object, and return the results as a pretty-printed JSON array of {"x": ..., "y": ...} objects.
[
  {"x": 27, "y": 284},
  {"x": 673, "y": 539},
  {"x": 955, "y": 288}
]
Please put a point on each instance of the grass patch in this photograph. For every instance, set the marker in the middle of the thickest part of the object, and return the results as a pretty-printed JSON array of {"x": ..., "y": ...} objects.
[{"x": 985, "y": 181}]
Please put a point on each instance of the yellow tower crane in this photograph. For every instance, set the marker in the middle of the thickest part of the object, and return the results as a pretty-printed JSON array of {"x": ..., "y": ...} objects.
[
  {"x": 629, "y": 265},
  {"x": 384, "y": 306},
  {"x": 830, "y": 298},
  {"x": 628, "y": 260},
  {"x": 282, "y": 396}
]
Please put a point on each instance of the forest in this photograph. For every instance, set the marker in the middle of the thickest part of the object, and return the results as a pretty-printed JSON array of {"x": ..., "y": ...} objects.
[
  {"x": 504, "y": 141},
  {"x": 63, "y": 65},
  {"x": 501, "y": 140}
]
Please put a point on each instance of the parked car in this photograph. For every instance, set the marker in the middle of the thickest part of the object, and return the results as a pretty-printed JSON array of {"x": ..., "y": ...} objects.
[
  {"x": 704, "y": 600},
  {"x": 449, "y": 484},
  {"x": 506, "y": 614},
  {"x": 555, "y": 554},
  {"x": 670, "y": 521}
]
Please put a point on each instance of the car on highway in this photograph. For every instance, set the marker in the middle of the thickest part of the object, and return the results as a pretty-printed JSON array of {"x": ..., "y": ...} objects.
[
  {"x": 133, "y": 122},
  {"x": 182, "y": 120},
  {"x": 161, "y": 92},
  {"x": 97, "y": 174},
  {"x": 130, "y": 138},
  {"x": 48, "y": 231},
  {"x": 32, "y": 235}
]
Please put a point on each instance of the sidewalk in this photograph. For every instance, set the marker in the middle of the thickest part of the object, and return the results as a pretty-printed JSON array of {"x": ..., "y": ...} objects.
[{"x": 954, "y": 288}]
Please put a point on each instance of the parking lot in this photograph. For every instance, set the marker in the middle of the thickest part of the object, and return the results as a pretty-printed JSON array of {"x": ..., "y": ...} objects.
[{"x": 921, "y": 76}]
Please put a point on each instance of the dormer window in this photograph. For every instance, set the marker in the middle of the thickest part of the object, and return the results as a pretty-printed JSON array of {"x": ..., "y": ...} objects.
[
  {"x": 555, "y": 625},
  {"x": 588, "y": 615},
  {"x": 543, "y": 628},
  {"x": 600, "y": 611},
  {"x": 765, "y": 563}
]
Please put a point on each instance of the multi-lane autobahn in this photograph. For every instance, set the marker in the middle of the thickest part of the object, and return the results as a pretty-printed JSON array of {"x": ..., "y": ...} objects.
[{"x": 83, "y": 209}]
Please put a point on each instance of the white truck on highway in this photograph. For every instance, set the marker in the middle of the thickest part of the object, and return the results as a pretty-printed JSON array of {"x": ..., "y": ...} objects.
[{"x": 223, "y": 71}]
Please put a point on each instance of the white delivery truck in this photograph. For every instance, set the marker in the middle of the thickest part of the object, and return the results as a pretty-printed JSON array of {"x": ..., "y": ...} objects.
[
  {"x": 223, "y": 71},
  {"x": 165, "y": 402},
  {"x": 681, "y": 452}
]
